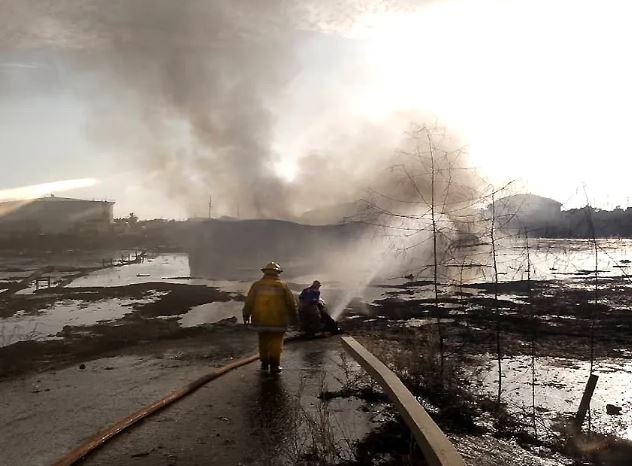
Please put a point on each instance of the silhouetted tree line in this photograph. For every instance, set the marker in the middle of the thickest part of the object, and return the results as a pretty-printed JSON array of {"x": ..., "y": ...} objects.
[{"x": 576, "y": 223}]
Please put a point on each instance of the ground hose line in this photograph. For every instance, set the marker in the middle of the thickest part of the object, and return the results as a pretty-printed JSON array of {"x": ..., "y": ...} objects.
[
  {"x": 96, "y": 441},
  {"x": 99, "y": 439}
]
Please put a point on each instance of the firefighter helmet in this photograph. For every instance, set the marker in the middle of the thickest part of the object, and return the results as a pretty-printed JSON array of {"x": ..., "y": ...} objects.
[{"x": 272, "y": 267}]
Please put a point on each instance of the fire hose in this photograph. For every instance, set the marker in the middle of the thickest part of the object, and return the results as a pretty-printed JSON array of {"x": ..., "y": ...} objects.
[
  {"x": 99, "y": 439},
  {"x": 102, "y": 437}
]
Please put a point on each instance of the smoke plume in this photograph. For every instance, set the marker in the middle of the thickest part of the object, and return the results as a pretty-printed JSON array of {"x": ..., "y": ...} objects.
[
  {"x": 190, "y": 89},
  {"x": 211, "y": 98},
  {"x": 193, "y": 95}
]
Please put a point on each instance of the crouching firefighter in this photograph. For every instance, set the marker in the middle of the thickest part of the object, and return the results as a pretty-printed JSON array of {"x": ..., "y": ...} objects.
[
  {"x": 313, "y": 314},
  {"x": 270, "y": 307}
]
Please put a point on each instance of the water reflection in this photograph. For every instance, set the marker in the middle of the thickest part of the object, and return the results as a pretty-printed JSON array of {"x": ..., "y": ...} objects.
[
  {"x": 313, "y": 359},
  {"x": 273, "y": 416},
  {"x": 212, "y": 312}
]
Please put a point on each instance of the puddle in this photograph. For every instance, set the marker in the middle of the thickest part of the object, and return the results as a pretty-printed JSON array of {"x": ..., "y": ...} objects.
[
  {"x": 211, "y": 313},
  {"x": 419, "y": 322},
  {"x": 229, "y": 286},
  {"x": 155, "y": 269},
  {"x": 415, "y": 322},
  {"x": 374, "y": 293},
  {"x": 22, "y": 265},
  {"x": 48, "y": 323},
  {"x": 486, "y": 450},
  {"x": 559, "y": 387},
  {"x": 164, "y": 268},
  {"x": 551, "y": 259}
]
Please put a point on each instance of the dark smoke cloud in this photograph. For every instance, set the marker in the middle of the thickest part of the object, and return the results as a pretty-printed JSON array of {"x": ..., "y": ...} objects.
[
  {"x": 201, "y": 63},
  {"x": 212, "y": 66},
  {"x": 192, "y": 89}
]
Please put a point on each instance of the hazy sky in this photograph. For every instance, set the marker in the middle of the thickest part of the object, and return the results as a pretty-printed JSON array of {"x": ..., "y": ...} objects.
[{"x": 538, "y": 90}]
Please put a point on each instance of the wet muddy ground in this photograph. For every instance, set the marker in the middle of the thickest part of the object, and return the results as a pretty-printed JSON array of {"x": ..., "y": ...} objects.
[
  {"x": 156, "y": 317},
  {"x": 549, "y": 326},
  {"x": 95, "y": 321}
]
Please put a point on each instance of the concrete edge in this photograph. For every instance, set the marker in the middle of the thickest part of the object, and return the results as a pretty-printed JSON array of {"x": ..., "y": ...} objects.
[{"x": 435, "y": 445}]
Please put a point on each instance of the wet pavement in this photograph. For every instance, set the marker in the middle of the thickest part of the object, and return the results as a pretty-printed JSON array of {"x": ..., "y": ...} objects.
[
  {"x": 242, "y": 418},
  {"x": 247, "y": 417},
  {"x": 47, "y": 414}
]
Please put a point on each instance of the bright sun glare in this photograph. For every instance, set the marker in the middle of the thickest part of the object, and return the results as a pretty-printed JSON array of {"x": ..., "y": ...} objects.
[
  {"x": 286, "y": 169},
  {"x": 44, "y": 189},
  {"x": 540, "y": 81}
]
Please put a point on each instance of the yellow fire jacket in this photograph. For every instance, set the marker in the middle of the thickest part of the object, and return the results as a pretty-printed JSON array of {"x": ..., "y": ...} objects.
[{"x": 271, "y": 305}]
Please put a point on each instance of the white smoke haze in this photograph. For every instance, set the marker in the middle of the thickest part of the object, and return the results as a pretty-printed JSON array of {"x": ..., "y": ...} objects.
[
  {"x": 280, "y": 106},
  {"x": 236, "y": 98},
  {"x": 430, "y": 169},
  {"x": 195, "y": 92},
  {"x": 209, "y": 98},
  {"x": 202, "y": 96}
]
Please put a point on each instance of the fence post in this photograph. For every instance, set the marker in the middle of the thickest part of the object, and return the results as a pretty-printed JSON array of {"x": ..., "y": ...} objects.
[{"x": 585, "y": 403}]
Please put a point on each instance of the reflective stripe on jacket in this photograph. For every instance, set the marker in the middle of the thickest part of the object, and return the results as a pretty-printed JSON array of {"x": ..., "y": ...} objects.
[{"x": 271, "y": 304}]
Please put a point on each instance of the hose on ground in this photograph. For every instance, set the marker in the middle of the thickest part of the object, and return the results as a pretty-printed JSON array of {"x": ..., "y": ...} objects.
[
  {"x": 96, "y": 441},
  {"x": 99, "y": 439}
]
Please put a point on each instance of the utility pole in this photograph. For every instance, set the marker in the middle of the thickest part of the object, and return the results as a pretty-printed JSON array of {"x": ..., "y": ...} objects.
[{"x": 210, "y": 206}]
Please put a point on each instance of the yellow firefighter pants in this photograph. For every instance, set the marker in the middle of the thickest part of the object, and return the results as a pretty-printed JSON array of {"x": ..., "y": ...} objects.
[{"x": 270, "y": 347}]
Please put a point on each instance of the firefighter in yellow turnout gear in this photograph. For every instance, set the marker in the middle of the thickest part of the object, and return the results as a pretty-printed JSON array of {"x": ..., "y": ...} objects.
[{"x": 270, "y": 307}]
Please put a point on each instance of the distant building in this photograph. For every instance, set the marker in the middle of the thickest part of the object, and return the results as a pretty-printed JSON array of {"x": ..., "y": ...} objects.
[
  {"x": 54, "y": 215},
  {"x": 527, "y": 210},
  {"x": 335, "y": 214}
]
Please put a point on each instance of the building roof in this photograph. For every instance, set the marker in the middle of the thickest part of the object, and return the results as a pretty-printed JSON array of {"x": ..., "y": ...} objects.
[
  {"x": 528, "y": 198},
  {"x": 52, "y": 198}
]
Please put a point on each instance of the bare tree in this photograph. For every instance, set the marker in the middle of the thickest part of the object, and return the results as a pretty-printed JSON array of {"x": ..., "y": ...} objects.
[
  {"x": 435, "y": 261},
  {"x": 533, "y": 333},
  {"x": 428, "y": 203}
]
